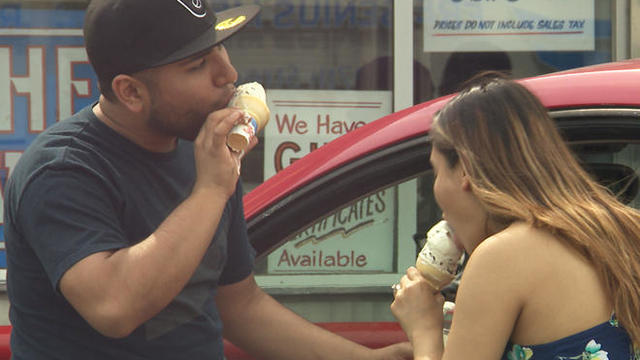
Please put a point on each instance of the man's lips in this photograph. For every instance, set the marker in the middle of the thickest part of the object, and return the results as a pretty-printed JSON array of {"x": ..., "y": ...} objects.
[{"x": 230, "y": 95}]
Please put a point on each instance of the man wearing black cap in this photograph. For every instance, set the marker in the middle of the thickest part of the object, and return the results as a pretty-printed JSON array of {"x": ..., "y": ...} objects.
[{"x": 124, "y": 225}]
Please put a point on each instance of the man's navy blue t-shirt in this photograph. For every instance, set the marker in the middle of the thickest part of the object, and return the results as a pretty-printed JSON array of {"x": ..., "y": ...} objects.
[{"x": 81, "y": 188}]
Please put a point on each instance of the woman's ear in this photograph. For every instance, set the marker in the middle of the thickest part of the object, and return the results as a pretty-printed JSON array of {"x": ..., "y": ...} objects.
[
  {"x": 465, "y": 181},
  {"x": 131, "y": 92}
]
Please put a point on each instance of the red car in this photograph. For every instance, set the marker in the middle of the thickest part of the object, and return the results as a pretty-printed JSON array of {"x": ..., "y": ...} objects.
[{"x": 597, "y": 108}]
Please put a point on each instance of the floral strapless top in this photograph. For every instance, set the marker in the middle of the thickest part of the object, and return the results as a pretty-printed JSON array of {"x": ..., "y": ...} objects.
[{"x": 607, "y": 341}]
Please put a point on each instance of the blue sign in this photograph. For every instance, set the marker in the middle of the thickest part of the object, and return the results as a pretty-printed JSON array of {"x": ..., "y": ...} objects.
[{"x": 44, "y": 77}]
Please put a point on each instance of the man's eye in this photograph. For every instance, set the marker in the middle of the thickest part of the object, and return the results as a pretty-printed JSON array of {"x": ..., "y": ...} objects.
[{"x": 199, "y": 65}]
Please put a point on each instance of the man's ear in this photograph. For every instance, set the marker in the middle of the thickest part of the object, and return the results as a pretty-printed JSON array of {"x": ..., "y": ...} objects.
[{"x": 131, "y": 92}]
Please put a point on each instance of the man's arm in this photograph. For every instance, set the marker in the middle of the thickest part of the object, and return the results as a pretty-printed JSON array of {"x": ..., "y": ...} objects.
[
  {"x": 117, "y": 291},
  {"x": 260, "y": 325}
]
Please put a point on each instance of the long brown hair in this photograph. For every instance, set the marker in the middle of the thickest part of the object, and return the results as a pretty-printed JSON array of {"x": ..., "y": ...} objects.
[{"x": 521, "y": 169}]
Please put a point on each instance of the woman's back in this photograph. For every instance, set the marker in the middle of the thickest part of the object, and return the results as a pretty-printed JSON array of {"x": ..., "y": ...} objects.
[
  {"x": 523, "y": 286},
  {"x": 565, "y": 295},
  {"x": 568, "y": 313},
  {"x": 565, "y": 309}
]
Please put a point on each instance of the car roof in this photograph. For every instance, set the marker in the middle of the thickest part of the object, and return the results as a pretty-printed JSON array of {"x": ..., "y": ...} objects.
[{"x": 605, "y": 85}]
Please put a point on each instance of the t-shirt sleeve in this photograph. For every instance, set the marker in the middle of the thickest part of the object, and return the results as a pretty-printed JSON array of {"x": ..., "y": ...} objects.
[
  {"x": 240, "y": 253},
  {"x": 67, "y": 215}
]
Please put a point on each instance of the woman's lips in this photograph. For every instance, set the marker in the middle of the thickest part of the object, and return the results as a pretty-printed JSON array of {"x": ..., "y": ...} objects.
[
  {"x": 455, "y": 238},
  {"x": 457, "y": 242}
]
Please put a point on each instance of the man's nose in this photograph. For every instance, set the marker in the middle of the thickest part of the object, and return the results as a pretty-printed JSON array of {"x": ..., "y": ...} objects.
[{"x": 225, "y": 74}]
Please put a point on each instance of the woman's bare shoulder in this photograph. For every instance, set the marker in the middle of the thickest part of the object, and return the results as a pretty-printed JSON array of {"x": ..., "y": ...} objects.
[
  {"x": 531, "y": 264},
  {"x": 505, "y": 260},
  {"x": 519, "y": 256},
  {"x": 514, "y": 242},
  {"x": 520, "y": 240},
  {"x": 493, "y": 292}
]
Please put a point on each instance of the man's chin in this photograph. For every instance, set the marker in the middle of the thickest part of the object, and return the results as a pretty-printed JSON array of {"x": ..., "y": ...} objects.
[
  {"x": 192, "y": 133},
  {"x": 188, "y": 137}
]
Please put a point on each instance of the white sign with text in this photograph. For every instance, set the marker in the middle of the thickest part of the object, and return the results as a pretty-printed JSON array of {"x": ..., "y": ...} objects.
[
  {"x": 303, "y": 120},
  {"x": 509, "y": 25},
  {"x": 358, "y": 237}
]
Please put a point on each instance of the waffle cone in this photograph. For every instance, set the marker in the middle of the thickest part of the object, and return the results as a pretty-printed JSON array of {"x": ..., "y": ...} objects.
[{"x": 437, "y": 278}]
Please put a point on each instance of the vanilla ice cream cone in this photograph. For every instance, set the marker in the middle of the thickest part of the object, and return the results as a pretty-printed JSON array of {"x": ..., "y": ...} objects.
[
  {"x": 251, "y": 98},
  {"x": 438, "y": 260}
]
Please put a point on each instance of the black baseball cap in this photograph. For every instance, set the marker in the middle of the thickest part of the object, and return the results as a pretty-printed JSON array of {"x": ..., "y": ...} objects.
[{"x": 126, "y": 36}]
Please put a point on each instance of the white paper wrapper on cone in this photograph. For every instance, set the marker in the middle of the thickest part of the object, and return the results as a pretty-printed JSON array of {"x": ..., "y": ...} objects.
[
  {"x": 241, "y": 134},
  {"x": 251, "y": 98},
  {"x": 447, "y": 312}
]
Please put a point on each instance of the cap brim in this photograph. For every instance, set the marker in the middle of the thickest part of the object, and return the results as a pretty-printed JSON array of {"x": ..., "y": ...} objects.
[
  {"x": 228, "y": 22},
  {"x": 231, "y": 20}
]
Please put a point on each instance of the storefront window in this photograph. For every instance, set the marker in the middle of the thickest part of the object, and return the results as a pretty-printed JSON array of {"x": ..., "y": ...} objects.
[
  {"x": 453, "y": 40},
  {"x": 457, "y": 39},
  {"x": 328, "y": 68}
]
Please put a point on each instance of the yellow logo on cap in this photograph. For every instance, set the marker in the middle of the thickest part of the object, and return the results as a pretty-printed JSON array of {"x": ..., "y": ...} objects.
[{"x": 231, "y": 22}]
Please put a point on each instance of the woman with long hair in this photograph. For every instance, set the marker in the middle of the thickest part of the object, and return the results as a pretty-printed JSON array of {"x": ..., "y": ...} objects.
[{"x": 554, "y": 266}]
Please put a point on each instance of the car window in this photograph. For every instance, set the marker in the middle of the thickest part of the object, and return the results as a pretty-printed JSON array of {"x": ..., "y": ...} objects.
[
  {"x": 377, "y": 214},
  {"x": 352, "y": 253},
  {"x": 616, "y": 166}
]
